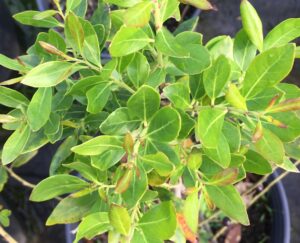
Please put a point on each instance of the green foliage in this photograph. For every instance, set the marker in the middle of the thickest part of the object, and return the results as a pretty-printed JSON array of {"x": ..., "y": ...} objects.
[{"x": 162, "y": 112}]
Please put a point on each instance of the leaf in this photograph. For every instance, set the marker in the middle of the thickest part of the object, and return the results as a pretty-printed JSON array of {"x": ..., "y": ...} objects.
[
  {"x": 107, "y": 159},
  {"x": 3, "y": 177},
  {"x": 209, "y": 126},
  {"x": 166, "y": 44},
  {"x": 243, "y": 50},
  {"x": 57, "y": 185},
  {"x": 12, "y": 98},
  {"x": 255, "y": 163},
  {"x": 179, "y": 95},
  {"x": 229, "y": 201},
  {"x": 160, "y": 162},
  {"x": 45, "y": 14},
  {"x": 283, "y": 33},
  {"x": 98, "y": 145},
  {"x": 71, "y": 210},
  {"x": 128, "y": 40},
  {"x": 120, "y": 219},
  {"x": 216, "y": 77},
  {"x": 234, "y": 97},
  {"x": 168, "y": 9},
  {"x": 220, "y": 45},
  {"x": 188, "y": 26},
  {"x": 98, "y": 97},
  {"x": 156, "y": 77},
  {"x": 288, "y": 165},
  {"x": 165, "y": 125},
  {"x": 49, "y": 74},
  {"x": 9, "y": 63},
  {"x": 138, "y": 15},
  {"x": 202, "y": 4},
  {"x": 122, "y": 3},
  {"x": 39, "y": 109},
  {"x": 270, "y": 147},
  {"x": 268, "y": 69},
  {"x": 191, "y": 211},
  {"x": 119, "y": 122},
  {"x": 138, "y": 70},
  {"x": 140, "y": 237},
  {"x": 252, "y": 24},
  {"x": 74, "y": 32},
  {"x": 93, "y": 225},
  {"x": 224, "y": 178},
  {"x": 144, "y": 103},
  {"x": 15, "y": 144},
  {"x": 287, "y": 105},
  {"x": 187, "y": 124},
  {"x": 197, "y": 61},
  {"x": 233, "y": 136},
  {"x": 28, "y": 18},
  {"x": 78, "y": 7},
  {"x": 159, "y": 221},
  {"x": 124, "y": 181},
  {"x": 137, "y": 187},
  {"x": 83, "y": 85},
  {"x": 84, "y": 169}
]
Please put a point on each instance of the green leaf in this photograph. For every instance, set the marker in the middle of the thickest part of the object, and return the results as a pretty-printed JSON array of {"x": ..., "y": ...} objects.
[
  {"x": 138, "y": 15},
  {"x": 243, "y": 50},
  {"x": 119, "y": 122},
  {"x": 83, "y": 85},
  {"x": 120, "y": 219},
  {"x": 209, "y": 126},
  {"x": 78, "y": 7},
  {"x": 233, "y": 136},
  {"x": 160, "y": 162},
  {"x": 140, "y": 237},
  {"x": 234, "y": 97},
  {"x": 252, "y": 24},
  {"x": 165, "y": 125},
  {"x": 28, "y": 18},
  {"x": 221, "y": 153},
  {"x": 229, "y": 201},
  {"x": 98, "y": 145},
  {"x": 270, "y": 147},
  {"x": 197, "y": 61},
  {"x": 39, "y": 109},
  {"x": 128, "y": 40},
  {"x": 3, "y": 177},
  {"x": 84, "y": 169},
  {"x": 98, "y": 97},
  {"x": 57, "y": 185},
  {"x": 137, "y": 188},
  {"x": 288, "y": 165},
  {"x": 191, "y": 210},
  {"x": 93, "y": 225},
  {"x": 189, "y": 37},
  {"x": 187, "y": 124},
  {"x": 156, "y": 77},
  {"x": 144, "y": 103},
  {"x": 74, "y": 32},
  {"x": 188, "y": 26},
  {"x": 50, "y": 74},
  {"x": 216, "y": 77},
  {"x": 268, "y": 69},
  {"x": 168, "y": 9},
  {"x": 107, "y": 159},
  {"x": 159, "y": 221},
  {"x": 122, "y": 3},
  {"x": 15, "y": 144},
  {"x": 12, "y": 98},
  {"x": 224, "y": 177},
  {"x": 179, "y": 95},
  {"x": 196, "y": 86},
  {"x": 71, "y": 210},
  {"x": 166, "y": 44},
  {"x": 4, "y": 217},
  {"x": 202, "y": 4},
  {"x": 9, "y": 63},
  {"x": 62, "y": 153},
  {"x": 220, "y": 45},
  {"x": 255, "y": 163},
  {"x": 138, "y": 70},
  {"x": 283, "y": 33}
]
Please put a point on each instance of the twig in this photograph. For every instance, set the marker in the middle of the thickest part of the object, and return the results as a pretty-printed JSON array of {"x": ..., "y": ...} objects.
[
  {"x": 6, "y": 236},
  {"x": 219, "y": 233},
  {"x": 19, "y": 179}
]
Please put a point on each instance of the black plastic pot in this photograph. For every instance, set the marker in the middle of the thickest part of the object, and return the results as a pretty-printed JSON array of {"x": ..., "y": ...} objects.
[{"x": 281, "y": 223}]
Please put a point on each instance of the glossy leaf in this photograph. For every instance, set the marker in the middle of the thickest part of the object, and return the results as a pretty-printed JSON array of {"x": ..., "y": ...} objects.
[
  {"x": 28, "y": 18},
  {"x": 138, "y": 70},
  {"x": 234, "y": 98},
  {"x": 138, "y": 15},
  {"x": 98, "y": 97},
  {"x": 12, "y": 98},
  {"x": 74, "y": 32},
  {"x": 255, "y": 163},
  {"x": 120, "y": 219},
  {"x": 179, "y": 95}
]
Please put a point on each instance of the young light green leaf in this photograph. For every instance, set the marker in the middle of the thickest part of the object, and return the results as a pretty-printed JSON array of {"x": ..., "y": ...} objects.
[
  {"x": 39, "y": 109},
  {"x": 191, "y": 210},
  {"x": 209, "y": 126},
  {"x": 9, "y": 63},
  {"x": 138, "y": 70},
  {"x": 233, "y": 136},
  {"x": 15, "y": 144},
  {"x": 268, "y": 69},
  {"x": 288, "y": 165},
  {"x": 128, "y": 40},
  {"x": 74, "y": 32},
  {"x": 168, "y": 9},
  {"x": 12, "y": 98},
  {"x": 50, "y": 74},
  {"x": 244, "y": 50},
  {"x": 188, "y": 26},
  {"x": 252, "y": 24},
  {"x": 270, "y": 147},
  {"x": 120, "y": 219},
  {"x": 166, "y": 43},
  {"x": 255, "y": 163},
  {"x": 98, "y": 145},
  {"x": 202, "y": 4},
  {"x": 216, "y": 77},
  {"x": 98, "y": 97},
  {"x": 83, "y": 85},
  {"x": 229, "y": 201},
  {"x": 138, "y": 15},
  {"x": 283, "y": 33},
  {"x": 159, "y": 221},
  {"x": 144, "y": 103},
  {"x": 57, "y": 185},
  {"x": 220, "y": 45},
  {"x": 234, "y": 97},
  {"x": 79, "y": 7},
  {"x": 93, "y": 225},
  {"x": 28, "y": 18},
  {"x": 84, "y": 169},
  {"x": 160, "y": 162},
  {"x": 107, "y": 159},
  {"x": 179, "y": 95},
  {"x": 165, "y": 125}
]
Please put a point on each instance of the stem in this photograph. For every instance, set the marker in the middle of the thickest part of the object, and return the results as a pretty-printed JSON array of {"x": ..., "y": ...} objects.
[
  {"x": 158, "y": 26},
  {"x": 19, "y": 179},
  {"x": 6, "y": 236},
  {"x": 124, "y": 85}
]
